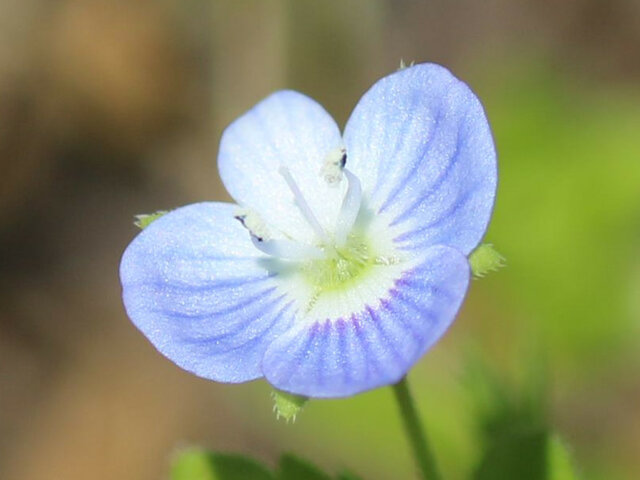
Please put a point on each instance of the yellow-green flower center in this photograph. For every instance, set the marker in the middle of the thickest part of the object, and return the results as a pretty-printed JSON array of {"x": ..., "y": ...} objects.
[{"x": 341, "y": 267}]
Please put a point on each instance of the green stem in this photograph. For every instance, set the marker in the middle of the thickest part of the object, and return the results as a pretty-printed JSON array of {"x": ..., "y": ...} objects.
[{"x": 415, "y": 432}]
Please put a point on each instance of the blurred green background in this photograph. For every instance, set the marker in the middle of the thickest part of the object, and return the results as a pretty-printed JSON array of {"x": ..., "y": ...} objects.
[{"x": 110, "y": 108}]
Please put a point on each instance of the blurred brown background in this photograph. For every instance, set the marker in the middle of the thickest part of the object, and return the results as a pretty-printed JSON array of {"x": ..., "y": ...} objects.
[{"x": 110, "y": 108}]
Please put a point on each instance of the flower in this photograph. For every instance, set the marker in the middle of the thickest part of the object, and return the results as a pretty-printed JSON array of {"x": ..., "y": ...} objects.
[{"x": 345, "y": 259}]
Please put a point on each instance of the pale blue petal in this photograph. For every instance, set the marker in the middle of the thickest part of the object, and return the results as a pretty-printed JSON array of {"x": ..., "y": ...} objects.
[
  {"x": 378, "y": 345},
  {"x": 285, "y": 129},
  {"x": 195, "y": 285},
  {"x": 420, "y": 142}
]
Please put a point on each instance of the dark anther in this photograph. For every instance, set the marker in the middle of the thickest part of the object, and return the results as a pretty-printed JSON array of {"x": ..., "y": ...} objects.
[{"x": 343, "y": 159}]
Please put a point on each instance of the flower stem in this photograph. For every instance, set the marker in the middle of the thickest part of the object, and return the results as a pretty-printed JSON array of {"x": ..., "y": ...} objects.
[{"x": 415, "y": 432}]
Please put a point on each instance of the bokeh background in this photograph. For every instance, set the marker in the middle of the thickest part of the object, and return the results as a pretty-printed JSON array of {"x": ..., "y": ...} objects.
[{"x": 110, "y": 108}]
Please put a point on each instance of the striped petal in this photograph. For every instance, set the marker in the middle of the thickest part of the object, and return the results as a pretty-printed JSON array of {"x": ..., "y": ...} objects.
[
  {"x": 197, "y": 288},
  {"x": 287, "y": 129},
  {"x": 421, "y": 145},
  {"x": 378, "y": 345}
]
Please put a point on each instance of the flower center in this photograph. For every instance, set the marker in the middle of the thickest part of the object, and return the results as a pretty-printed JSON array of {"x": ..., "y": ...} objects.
[
  {"x": 341, "y": 266},
  {"x": 342, "y": 259}
]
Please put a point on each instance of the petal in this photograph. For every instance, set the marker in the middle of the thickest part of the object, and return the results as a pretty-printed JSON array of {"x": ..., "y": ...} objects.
[
  {"x": 421, "y": 145},
  {"x": 285, "y": 129},
  {"x": 378, "y": 345},
  {"x": 197, "y": 288}
]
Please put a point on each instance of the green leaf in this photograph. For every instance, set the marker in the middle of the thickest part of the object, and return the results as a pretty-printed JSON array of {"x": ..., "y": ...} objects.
[
  {"x": 511, "y": 421},
  {"x": 198, "y": 464},
  {"x": 520, "y": 455},
  {"x": 294, "y": 468},
  {"x": 288, "y": 405},
  {"x": 193, "y": 464},
  {"x": 347, "y": 475},
  {"x": 485, "y": 259},
  {"x": 143, "y": 220},
  {"x": 559, "y": 461},
  {"x": 530, "y": 455}
]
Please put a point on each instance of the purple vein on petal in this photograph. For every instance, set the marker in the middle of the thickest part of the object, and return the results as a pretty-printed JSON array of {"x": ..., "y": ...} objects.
[
  {"x": 421, "y": 289},
  {"x": 397, "y": 144},
  {"x": 224, "y": 311},
  {"x": 420, "y": 158},
  {"x": 227, "y": 335},
  {"x": 219, "y": 332},
  {"x": 447, "y": 215},
  {"x": 377, "y": 326},
  {"x": 260, "y": 336},
  {"x": 391, "y": 305},
  {"x": 301, "y": 352},
  {"x": 366, "y": 333},
  {"x": 408, "y": 212},
  {"x": 341, "y": 332},
  {"x": 196, "y": 256},
  {"x": 372, "y": 363},
  {"x": 216, "y": 285},
  {"x": 322, "y": 349}
]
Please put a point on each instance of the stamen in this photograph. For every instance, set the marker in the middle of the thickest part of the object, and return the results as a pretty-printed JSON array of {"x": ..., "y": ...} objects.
[
  {"x": 303, "y": 205},
  {"x": 333, "y": 170},
  {"x": 287, "y": 249},
  {"x": 252, "y": 222},
  {"x": 350, "y": 208},
  {"x": 333, "y": 165},
  {"x": 280, "y": 248}
]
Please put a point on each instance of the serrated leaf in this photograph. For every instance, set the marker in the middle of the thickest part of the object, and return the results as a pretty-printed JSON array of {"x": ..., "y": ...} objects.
[
  {"x": 294, "y": 468},
  {"x": 485, "y": 259},
  {"x": 198, "y": 464},
  {"x": 143, "y": 220},
  {"x": 288, "y": 405}
]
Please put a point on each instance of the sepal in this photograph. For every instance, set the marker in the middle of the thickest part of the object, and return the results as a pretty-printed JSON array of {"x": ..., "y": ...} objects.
[
  {"x": 143, "y": 220},
  {"x": 288, "y": 405},
  {"x": 485, "y": 259}
]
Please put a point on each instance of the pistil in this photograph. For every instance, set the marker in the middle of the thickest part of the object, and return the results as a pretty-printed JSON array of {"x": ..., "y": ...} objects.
[{"x": 302, "y": 204}]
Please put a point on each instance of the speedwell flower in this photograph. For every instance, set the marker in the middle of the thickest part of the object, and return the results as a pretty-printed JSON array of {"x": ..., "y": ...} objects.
[{"x": 345, "y": 258}]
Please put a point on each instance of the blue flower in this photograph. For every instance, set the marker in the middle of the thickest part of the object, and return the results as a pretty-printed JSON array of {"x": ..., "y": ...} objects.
[{"x": 345, "y": 258}]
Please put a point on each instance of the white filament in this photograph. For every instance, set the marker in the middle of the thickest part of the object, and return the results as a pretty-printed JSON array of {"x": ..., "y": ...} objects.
[
  {"x": 287, "y": 249},
  {"x": 350, "y": 208}
]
